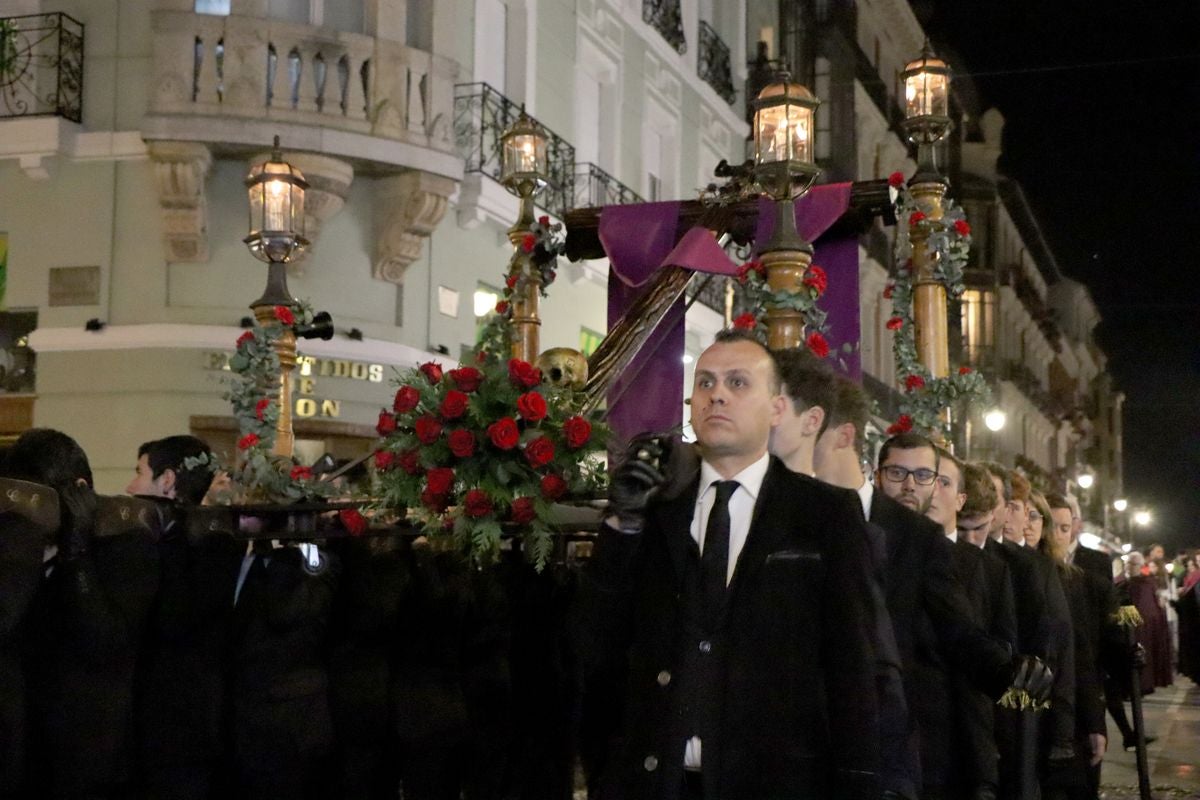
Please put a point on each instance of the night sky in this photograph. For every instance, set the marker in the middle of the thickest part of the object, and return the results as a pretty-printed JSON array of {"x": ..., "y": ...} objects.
[{"x": 1101, "y": 106}]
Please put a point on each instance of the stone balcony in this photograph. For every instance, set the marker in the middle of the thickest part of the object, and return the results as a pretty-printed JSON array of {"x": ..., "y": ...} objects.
[
  {"x": 236, "y": 81},
  {"x": 344, "y": 105}
]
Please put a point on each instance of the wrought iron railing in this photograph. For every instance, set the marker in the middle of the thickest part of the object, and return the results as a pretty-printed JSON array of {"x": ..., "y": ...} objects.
[
  {"x": 594, "y": 188},
  {"x": 41, "y": 66},
  {"x": 713, "y": 65},
  {"x": 666, "y": 17},
  {"x": 481, "y": 115},
  {"x": 711, "y": 291}
]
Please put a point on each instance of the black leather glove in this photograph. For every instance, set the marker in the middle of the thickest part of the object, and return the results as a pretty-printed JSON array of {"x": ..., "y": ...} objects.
[
  {"x": 637, "y": 480},
  {"x": 1138, "y": 656},
  {"x": 78, "y": 504},
  {"x": 1033, "y": 677}
]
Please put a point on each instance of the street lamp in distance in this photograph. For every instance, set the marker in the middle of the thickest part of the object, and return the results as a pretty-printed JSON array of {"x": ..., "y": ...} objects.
[
  {"x": 1085, "y": 480},
  {"x": 995, "y": 420},
  {"x": 1120, "y": 504},
  {"x": 1142, "y": 518}
]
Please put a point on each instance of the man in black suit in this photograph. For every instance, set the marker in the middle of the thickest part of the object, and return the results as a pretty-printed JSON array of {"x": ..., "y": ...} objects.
[
  {"x": 181, "y": 692},
  {"x": 740, "y": 599},
  {"x": 87, "y": 624},
  {"x": 28, "y": 520},
  {"x": 815, "y": 392},
  {"x": 931, "y": 615}
]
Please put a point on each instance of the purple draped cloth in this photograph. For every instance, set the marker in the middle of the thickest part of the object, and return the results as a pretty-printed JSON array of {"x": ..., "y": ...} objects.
[{"x": 641, "y": 239}]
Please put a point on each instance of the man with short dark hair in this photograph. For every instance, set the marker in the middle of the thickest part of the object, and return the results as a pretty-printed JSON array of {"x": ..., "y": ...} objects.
[
  {"x": 738, "y": 592},
  {"x": 808, "y": 383},
  {"x": 979, "y": 505},
  {"x": 177, "y": 467}
]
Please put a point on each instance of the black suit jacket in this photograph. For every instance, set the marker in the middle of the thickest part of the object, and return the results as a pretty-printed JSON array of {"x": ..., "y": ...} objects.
[
  {"x": 799, "y": 718},
  {"x": 21, "y": 546},
  {"x": 935, "y": 631},
  {"x": 1094, "y": 562},
  {"x": 89, "y": 619}
]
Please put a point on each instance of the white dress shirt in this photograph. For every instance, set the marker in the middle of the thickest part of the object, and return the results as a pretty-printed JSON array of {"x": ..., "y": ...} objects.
[
  {"x": 741, "y": 511},
  {"x": 866, "y": 493}
]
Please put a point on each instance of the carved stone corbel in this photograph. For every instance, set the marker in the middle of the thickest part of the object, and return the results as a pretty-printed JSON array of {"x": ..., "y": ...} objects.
[
  {"x": 180, "y": 169},
  {"x": 407, "y": 209}
]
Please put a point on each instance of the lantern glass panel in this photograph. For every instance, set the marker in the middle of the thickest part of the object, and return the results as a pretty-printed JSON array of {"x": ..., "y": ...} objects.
[
  {"x": 925, "y": 94},
  {"x": 783, "y": 133},
  {"x": 524, "y": 153}
]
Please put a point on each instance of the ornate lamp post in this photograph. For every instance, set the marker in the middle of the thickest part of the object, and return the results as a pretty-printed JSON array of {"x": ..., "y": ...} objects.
[
  {"x": 276, "y": 191},
  {"x": 784, "y": 169},
  {"x": 523, "y": 171},
  {"x": 927, "y": 121}
]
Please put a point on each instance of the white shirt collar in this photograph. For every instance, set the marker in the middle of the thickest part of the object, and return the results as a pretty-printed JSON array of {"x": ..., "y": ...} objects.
[
  {"x": 750, "y": 478},
  {"x": 952, "y": 536},
  {"x": 866, "y": 493}
]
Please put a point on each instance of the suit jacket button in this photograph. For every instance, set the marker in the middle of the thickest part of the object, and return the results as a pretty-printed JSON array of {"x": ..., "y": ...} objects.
[
  {"x": 664, "y": 678},
  {"x": 706, "y": 646},
  {"x": 651, "y": 763}
]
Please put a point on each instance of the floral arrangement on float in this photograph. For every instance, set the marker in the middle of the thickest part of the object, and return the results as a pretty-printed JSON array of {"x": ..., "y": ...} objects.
[
  {"x": 758, "y": 295},
  {"x": 492, "y": 445},
  {"x": 948, "y": 246}
]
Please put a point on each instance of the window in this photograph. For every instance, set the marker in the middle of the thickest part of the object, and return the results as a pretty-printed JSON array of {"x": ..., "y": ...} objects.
[
  {"x": 653, "y": 187},
  {"x": 824, "y": 130},
  {"x": 977, "y": 327},
  {"x": 290, "y": 10},
  {"x": 219, "y": 8}
]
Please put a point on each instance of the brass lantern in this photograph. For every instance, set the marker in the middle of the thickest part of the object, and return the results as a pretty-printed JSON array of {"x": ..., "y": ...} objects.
[
  {"x": 276, "y": 191},
  {"x": 926, "y": 97},
  {"x": 783, "y": 138},
  {"x": 523, "y": 160}
]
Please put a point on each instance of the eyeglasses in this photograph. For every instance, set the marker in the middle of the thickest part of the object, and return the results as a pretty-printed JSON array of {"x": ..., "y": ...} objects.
[
  {"x": 898, "y": 474},
  {"x": 1034, "y": 515}
]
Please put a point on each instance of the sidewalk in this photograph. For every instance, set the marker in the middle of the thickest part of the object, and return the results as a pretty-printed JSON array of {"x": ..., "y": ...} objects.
[{"x": 1173, "y": 715}]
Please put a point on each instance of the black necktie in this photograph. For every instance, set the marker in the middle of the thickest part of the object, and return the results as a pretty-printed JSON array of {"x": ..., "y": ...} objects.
[{"x": 714, "y": 562}]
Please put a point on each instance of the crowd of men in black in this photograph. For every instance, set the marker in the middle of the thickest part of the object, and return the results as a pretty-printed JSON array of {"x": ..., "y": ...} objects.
[{"x": 758, "y": 620}]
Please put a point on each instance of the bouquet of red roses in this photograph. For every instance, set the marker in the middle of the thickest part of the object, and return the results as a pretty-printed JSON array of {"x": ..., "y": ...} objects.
[{"x": 469, "y": 449}]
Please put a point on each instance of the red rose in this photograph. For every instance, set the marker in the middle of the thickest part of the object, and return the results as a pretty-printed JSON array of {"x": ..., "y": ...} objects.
[
  {"x": 410, "y": 462},
  {"x": 746, "y": 322},
  {"x": 895, "y": 323},
  {"x": 815, "y": 278},
  {"x": 248, "y": 441},
  {"x": 467, "y": 379},
  {"x": 888, "y": 291},
  {"x": 532, "y": 407},
  {"x": 454, "y": 404},
  {"x": 553, "y": 487},
  {"x": 462, "y": 443},
  {"x": 261, "y": 407},
  {"x": 504, "y": 433},
  {"x": 896, "y": 180},
  {"x": 524, "y": 374},
  {"x": 502, "y": 307},
  {"x": 439, "y": 480},
  {"x": 915, "y": 217},
  {"x": 577, "y": 431},
  {"x": 384, "y": 460},
  {"x": 914, "y": 382},
  {"x": 511, "y": 280},
  {"x": 964, "y": 370},
  {"x": 528, "y": 243},
  {"x": 285, "y": 315},
  {"x": 477, "y": 503},
  {"x": 902, "y": 425},
  {"x": 522, "y": 510},
  {"x": 963, "y": 227},
  {"x": 434, "y": 502},
  {"x": 301, "y": 473},
  {"x": 539, "y": 452},
  {"x": 432, "y": 372},
  {"x": 544, "y": 221},
  {"x": 428, "y": 429},
  {"x": 817, "y": 344},
  {"x": 406, "y": 400},
  {"x": 246, "y": 337},
  {"x": 386, "y": 423},
  {"x": 353, "y": 521}
]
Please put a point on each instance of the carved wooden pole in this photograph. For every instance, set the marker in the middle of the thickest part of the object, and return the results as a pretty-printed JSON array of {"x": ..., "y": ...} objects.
[
  {"x": 786, "y": 257},
  {"x": 525, "y": 319},
  {"x": 929, "y": 295},
  {"x": 285, "y": 349}
]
